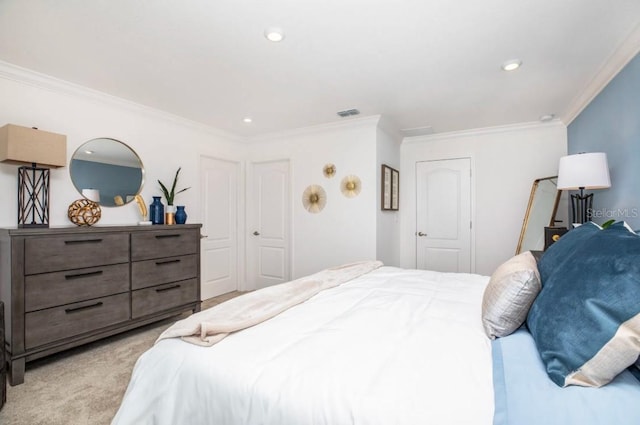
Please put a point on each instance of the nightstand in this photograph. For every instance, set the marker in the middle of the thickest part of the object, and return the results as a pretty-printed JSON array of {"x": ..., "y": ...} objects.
[
  {"x": 552, "y": 234},
  {"x": 537, "y": 255}
]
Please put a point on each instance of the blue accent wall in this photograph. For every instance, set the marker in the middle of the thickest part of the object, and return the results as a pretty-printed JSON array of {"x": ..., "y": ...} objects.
[{"x": 611, "y": 124}]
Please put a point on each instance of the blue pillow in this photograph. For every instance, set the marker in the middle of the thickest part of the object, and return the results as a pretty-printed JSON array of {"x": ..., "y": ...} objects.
[
  {"x": 564, "y": 249},
  {"x": 586, "y": 319}
]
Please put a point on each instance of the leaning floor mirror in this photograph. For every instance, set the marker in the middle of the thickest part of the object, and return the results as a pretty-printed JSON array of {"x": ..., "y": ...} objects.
[{"x": 541, "y": 213}]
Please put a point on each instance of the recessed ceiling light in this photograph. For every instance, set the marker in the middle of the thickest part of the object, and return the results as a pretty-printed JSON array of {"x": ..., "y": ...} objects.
[
  {"x": 547, "y": 117},
  {"x": 274, "y": 34},
  {"x": 247, "y": 120},
  {"x": 511, "y": 65}
]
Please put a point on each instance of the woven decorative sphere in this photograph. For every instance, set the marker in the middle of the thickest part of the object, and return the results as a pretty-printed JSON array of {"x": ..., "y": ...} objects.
[{"x": 84, "y": 212}]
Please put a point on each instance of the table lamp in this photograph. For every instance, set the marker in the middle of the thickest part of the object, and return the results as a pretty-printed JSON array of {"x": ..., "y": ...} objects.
[
  {"x": 579, "y": 172},
  {"x": 36, "y": 151}
]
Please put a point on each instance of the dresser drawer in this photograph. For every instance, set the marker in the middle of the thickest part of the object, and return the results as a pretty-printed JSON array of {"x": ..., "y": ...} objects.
[
  {"x": 163, "y": 270},
  {"x": 58, "y": 288},
  {"x": 152, "y": 300},
  {"x": 54, "y": 324},
  {"x": 2, "y": 362},
  {"x": 66, "y": 252},
  {"x": 163, "y": 243}
]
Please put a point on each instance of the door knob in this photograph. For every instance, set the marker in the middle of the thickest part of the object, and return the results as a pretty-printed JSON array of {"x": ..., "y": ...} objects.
[
  {"x": 256, "y": 233},
  {"x": 422, "y": 234}
]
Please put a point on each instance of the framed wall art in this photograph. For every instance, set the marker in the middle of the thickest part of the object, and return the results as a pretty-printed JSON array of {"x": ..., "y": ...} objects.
[
  {"x": 395, "y": 189},
  {"x": 390, "y": 186}
]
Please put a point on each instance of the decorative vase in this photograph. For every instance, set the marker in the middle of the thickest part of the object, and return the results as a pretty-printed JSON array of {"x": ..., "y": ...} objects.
[
  {"x": 156, "y": 211},
  {"x": 169, "y": 216},
  {"x": 181, "y": 215},
  {"x": 84, "y": 212}
]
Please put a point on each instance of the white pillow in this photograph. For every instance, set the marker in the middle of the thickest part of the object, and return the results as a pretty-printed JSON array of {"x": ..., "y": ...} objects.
[{"x": 507, "y": 298}]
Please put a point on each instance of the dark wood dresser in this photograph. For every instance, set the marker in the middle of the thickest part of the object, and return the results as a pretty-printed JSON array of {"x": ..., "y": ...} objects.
[
  {"x": 64, "y": 287},
  {"x": 3, "y": 363}
]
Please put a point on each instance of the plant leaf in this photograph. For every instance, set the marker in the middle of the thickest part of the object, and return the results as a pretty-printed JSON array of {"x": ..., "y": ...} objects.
[
  {"x": 607, "y": 224},
  {"x": 165, "y": 192},
  {"x": 173, "y": 187}
]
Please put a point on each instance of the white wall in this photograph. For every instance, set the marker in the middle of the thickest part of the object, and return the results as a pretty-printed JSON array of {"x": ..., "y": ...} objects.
[
  {"x": 505, "y": 161},
  {"x": 388, "y": 222},
  {"x": 346, "y": 229},
  {"x": 163, "y": 142}
]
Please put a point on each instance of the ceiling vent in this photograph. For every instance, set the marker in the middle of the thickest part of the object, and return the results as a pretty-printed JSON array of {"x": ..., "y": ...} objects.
[
  {"x": 417, "y": 131},
  {"x": 348, "y": 113}
]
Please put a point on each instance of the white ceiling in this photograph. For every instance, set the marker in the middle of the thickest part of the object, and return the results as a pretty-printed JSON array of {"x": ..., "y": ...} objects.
[{"x": 420, "y": 63}]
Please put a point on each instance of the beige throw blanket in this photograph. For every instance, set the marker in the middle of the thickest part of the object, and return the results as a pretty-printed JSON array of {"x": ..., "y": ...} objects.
[{"x": 210, "y": 326}]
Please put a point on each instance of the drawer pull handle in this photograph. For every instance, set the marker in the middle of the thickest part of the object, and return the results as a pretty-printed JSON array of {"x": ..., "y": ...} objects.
[
  {"x": 84, "y": 307},
  {"x": 174, "y": 235},
  {"x": 168, "y": 288},
  {"x": 80, "y": 275},
  {"x": 83, "y": 241},
  {"x": 160, "y": 263}
]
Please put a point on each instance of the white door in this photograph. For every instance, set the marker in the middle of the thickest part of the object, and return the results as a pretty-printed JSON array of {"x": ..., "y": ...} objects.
[
  {"x": 268, "y": 214},
  {"x": 443, "y": 225},
  {"x": 219, "y": 268}
]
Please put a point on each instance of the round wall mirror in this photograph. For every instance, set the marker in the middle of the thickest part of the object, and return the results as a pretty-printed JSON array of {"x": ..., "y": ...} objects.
[{"x": 107, "y": 171}]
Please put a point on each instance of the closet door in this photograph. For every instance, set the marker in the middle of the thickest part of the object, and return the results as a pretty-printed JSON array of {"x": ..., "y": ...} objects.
[
  {"x": 268, "y": 224},
  {"x": 220, "y": 185}
]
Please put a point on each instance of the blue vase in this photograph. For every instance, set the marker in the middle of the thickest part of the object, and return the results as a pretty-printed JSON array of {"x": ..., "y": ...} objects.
[
  {"x": 156, "y": 211},
  {"x": 181, "y": 215}
]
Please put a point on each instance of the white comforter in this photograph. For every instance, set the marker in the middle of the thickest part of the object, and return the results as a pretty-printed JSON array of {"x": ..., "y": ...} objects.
[{"x": 391, "y": 347}]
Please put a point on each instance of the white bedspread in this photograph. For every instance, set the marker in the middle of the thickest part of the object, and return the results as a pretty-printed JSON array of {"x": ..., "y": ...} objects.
[
  {"x": 391, "y": 347},
  {"x": 211, "y": 326}
]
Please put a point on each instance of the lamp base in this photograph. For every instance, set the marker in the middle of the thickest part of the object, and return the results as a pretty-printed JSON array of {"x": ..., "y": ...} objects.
[
  {"x": 33, "y": 197},
  {"x": 33, "y": 226},
  {"x": 581, "y": 207}
]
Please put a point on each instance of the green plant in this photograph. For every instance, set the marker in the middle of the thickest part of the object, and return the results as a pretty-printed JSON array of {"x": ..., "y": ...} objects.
[{"x": 170, "y": 195}]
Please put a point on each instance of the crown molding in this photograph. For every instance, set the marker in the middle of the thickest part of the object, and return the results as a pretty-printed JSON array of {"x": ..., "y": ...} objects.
[
  {"x": 607, "y": 72},
  {"x": 388, "y": 126},
  {"x": 484, "y": 130},
  {"x": 9, "y": 71},
  {"x": 335, "y": 125}
]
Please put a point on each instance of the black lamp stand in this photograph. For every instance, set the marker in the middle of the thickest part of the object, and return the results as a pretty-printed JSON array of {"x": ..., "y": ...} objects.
[
  {"x": 33, "y": 196},
  {"x": 581, "y": 206}
]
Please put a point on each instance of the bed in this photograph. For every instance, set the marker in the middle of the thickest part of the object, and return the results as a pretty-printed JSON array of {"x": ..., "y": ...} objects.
[{"x": 390, "y": 346}]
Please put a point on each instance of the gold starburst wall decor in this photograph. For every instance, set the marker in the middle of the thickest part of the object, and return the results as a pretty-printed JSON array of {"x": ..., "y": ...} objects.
[
  {"x": 329, "y": 170},
  {"x": 314, "y": 198},
  {"x": 351, "y": 186}
]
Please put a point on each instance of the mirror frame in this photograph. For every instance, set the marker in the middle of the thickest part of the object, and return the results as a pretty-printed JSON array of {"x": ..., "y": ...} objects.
[
  {"x": 135, "y": 154},
  {"x": 554, "y": 211}
]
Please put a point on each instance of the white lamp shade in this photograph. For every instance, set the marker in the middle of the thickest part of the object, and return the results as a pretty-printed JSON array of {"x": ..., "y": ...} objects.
[
  {"x": 584, "y": 170},
  {"x": 91, "y": 194}
]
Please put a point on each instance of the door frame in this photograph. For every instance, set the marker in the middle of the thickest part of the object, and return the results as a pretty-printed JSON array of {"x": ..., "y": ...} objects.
[
  {"x": 250, "y": 202},
  {"x": 408, "y": 198}
]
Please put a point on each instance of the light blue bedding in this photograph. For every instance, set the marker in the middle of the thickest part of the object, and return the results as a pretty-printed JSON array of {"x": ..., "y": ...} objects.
[{"x": 524, "y": 394}]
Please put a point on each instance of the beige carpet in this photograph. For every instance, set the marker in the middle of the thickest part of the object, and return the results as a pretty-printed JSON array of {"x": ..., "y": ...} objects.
[{"x": 83, "y": 385}]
